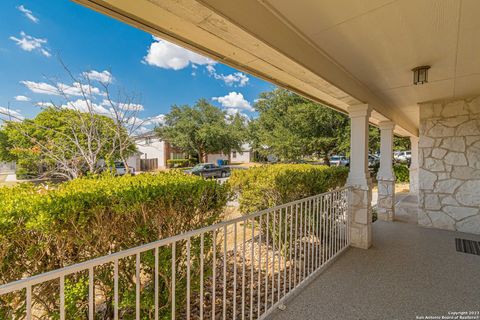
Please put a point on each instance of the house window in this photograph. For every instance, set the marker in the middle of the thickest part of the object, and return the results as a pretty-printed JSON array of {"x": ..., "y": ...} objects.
[
  {"x": 148, "y": 141},
  {"x": 234, "y": 154}
]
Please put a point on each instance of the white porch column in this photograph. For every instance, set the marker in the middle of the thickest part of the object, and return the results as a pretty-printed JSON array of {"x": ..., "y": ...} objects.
[
  {"x": 385, "y": 176},
  {"x": 414, "y": 165},
  {"x": 359, "y": 178}
]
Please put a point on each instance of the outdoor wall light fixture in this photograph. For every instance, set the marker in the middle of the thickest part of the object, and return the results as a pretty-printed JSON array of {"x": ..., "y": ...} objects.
[{"x": 420, "y": 75}]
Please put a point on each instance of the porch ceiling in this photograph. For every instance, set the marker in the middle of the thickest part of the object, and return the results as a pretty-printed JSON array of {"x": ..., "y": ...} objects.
[
  {"x": 339, "y": 52},
  {"x": 380, "y": 41}
]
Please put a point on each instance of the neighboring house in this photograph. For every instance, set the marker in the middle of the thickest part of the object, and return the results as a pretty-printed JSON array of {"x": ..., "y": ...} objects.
[
  {"x": 243, "y": 156},
  {"x": 153, "y": 153}
]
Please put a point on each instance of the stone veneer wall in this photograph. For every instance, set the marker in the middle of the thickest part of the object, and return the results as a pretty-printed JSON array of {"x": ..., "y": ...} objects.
[{"x": 449, "y": 163}]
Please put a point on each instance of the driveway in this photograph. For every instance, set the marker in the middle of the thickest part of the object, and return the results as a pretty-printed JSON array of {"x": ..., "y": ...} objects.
[{"x": 7, "y": 180}]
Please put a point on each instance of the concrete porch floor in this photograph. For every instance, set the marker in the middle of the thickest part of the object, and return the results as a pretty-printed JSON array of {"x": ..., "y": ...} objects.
[{"x": 409, "y": 271}]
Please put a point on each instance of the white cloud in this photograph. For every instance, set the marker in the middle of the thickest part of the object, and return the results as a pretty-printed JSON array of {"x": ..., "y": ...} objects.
[
  {"x": 131, "y": 106},
  {"x": 234, "y": 79},
  {"x": 101, "y": 76},
  {"x": 40, "y": 87},
  {"x": 233, "y": 111},
  {"x": 123, "y": 106},
  {"x": 155, "y": 120},
  {"x": 76, "y": 89},
  {"x": 29, "y": 43},
  {"x": 7, "y": 114},
  {"x": 86, "y": 106},
  {"x": 234, "y": 102},
  {"x": 22, "y": 98},
  {"x": 211, "y": 69},
  {"x": 105, "y": 108},
  {"x": 164, "y": 54},
  {"x": 28, "y": 13},
  {"x": 141, "y": 130},
  {"x": 44, "y": 104}
]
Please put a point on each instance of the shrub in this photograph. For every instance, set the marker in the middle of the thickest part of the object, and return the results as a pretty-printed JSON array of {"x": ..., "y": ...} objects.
[
  {"x": 44, "y": 228},
  {"x": 374, "y": 214},
  {"x": 26, "y": 171},
  {"x": 179, "y": 163},
  {"x": 402, "y": 174},
  {"x": 374, "y": 170},
  {"x": 270, "y": 185}
]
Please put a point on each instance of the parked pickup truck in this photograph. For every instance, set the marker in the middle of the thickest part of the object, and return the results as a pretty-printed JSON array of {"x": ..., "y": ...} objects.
[
  {"x": 121, "y": 170},
  {"x": 339, "y": 161},
  {"x": 209, "y": 170}
]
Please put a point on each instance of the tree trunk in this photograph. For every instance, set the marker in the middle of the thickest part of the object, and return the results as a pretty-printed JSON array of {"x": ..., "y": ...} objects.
[
  {"x": 127, "y": 168},
  {"x": 326, "y": 159},
  {"x": 201, "y": 156}
]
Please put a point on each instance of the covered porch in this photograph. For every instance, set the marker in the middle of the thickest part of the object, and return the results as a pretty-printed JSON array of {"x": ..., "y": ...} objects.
[
  {"x": 356, "y": 57},
  {"x": 336, "y": 54}
]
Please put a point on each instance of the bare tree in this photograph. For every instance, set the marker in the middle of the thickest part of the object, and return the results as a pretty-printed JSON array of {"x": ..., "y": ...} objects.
[
  {"x": 126, "y": 117},
  {"x": 91, "y": 131}
]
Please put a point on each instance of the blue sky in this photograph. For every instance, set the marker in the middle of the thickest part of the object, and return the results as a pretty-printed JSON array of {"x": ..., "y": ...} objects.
[{"x": 35, "y": 34}]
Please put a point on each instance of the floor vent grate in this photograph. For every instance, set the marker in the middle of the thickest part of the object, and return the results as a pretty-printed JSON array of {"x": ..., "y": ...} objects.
[{"x": 467, "y": 246}]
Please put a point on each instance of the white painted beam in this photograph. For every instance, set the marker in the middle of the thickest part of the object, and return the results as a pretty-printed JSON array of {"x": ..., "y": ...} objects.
[
  {"x": 359, "y": 178},
  {"x": 359, "y": 174},
  {"x": 385, "y": 172},
  {"x": 386, "y": 176}
]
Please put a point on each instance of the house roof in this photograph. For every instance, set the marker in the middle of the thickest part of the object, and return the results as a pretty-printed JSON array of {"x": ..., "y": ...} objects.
[{"x": 148, "y": 134}]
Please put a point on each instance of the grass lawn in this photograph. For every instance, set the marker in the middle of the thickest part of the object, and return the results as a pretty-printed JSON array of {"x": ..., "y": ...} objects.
[
  {"x": 402, "y": 187},
  {"x": 399, "y": 187}
]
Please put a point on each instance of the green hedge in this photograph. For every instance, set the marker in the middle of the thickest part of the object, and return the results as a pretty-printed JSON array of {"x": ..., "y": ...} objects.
[
  {"x": 270, "y": 185},
  {"x": 45, "y": 228},
  {"x": 179, "y": 163},
  {"x": 402, "y": 174}
]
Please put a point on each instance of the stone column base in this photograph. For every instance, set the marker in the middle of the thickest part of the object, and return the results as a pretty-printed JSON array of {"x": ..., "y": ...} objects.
[
  {"x": 386, "y": 200},
  {"x": 359, "y": 200}
]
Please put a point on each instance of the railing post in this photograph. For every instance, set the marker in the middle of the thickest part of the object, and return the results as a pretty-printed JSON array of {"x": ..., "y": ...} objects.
[
  {"x": 360, "y": 192},
  {"x": 385, "y": 176}
]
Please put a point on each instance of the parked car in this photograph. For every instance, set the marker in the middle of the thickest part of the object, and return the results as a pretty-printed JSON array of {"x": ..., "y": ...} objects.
[
  {"x": 403, "y": 156},
  {"x": 121, "y": 170},
  {"x": 373, "y": 161},
  {"x": 339, "y": 161},
  {"x": 209, "y": 170}
]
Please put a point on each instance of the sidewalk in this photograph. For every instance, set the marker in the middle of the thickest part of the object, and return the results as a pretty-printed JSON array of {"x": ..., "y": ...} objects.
[{"x": 11, "y": 178}]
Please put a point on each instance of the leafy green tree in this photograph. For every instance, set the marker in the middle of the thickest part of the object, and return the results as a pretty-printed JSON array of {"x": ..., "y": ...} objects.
[
  {"x": 401, "y": 143},
  {"x": 202, "y": 129},
  {"x": 290, "y": 127},
  {"x": 373, "y": 139},
  {"x": 5, "y": 147},
  {"x": 62, "y": 142}
]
